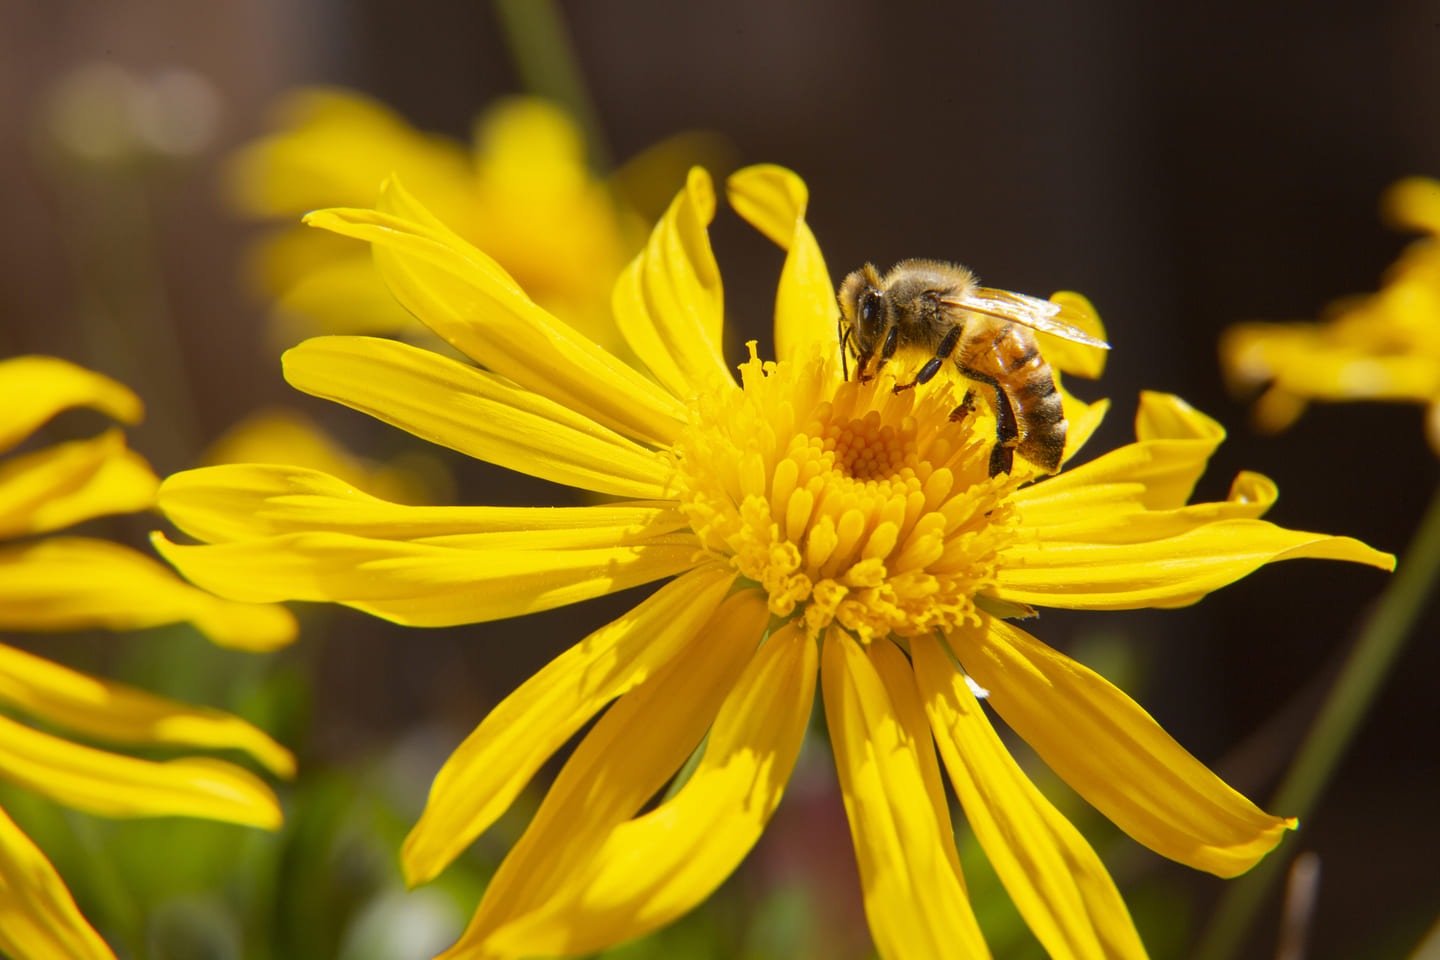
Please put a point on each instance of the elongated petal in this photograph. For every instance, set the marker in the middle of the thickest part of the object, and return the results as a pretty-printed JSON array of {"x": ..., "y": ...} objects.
[
  {"x": 70, "y": 482},
  {"x": 122, "y": 714},
  {"x": 33, "y": 389},
  {"x": 652, "y": 869},
  {"x": 114, "y": 785},
  {"x": 1058, "y": 883},
  {"x": 466, "y": 298},
  {"x": 244, "y": 501},
  {"x": 38, "y": 917},
  {"x": 486, "y": 772},
  {"x": 75, "y": 583},
  {"x": 1110, "y": 750},
  {"x": 914, "y": 898},
  {"x": 427, "y": 584},
  {"x": 668, "y": 302},
  {"x": 629, "y": 754},
  {"x": 773, "y": 199},
  {"x": 474, "y": 412},
  {"x": 1170, "y": 572}
]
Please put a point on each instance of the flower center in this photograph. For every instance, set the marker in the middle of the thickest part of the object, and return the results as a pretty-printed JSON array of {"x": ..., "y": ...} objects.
[{"x": 847, "y": 502}]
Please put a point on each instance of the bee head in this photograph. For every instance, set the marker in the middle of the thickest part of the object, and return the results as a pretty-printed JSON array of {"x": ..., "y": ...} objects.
[{"x": 862, "y": 307}]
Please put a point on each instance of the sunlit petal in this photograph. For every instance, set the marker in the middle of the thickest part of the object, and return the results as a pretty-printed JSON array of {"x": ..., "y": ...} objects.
[
  {"x": 38, "y": 917},
  {"x": 652, "y": 869},
  {"x": 114, "y": 785},
  {"x": 33, "y": 389},
  {"x": 668, "y": 302},
  {"x": 122, "y": 714},
  {"x": 1056, "y": 880},
  {"x": 629, "y": 754},
  {"x": 1170, "y": 572},
  {"x": 774, "y": 199},
  {"x": 466, "y": 298},
  {"x": 475, "y": 412},
  {"x": 426, "y": 584},
  {"x": 914, "y": 898},
  {"x": 486, "y": 772},
  {"x": 1110, "y": 750},
  {"x": 244, "y": 501},
  {"x": 62, "y": 485},
  {"x": 74, "y": 583}
]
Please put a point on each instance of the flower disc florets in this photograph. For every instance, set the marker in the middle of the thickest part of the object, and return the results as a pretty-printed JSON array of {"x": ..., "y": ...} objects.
[{"x": 846, "y": 501}]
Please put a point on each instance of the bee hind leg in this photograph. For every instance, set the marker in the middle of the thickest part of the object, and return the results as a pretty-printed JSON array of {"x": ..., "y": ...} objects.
[{"x": 1007, "y": 430}]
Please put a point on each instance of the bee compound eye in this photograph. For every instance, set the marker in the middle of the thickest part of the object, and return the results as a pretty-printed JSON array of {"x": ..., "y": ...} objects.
[{"x": 869, "y": 307}]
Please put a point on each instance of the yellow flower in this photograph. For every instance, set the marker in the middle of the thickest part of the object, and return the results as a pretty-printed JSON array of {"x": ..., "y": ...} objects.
[
  {"x": 1381, "y": 346},
  {"x": 67, "y": 582},
  {"x": 523, "y": 193},
  {"x": 811, "y": 530}
]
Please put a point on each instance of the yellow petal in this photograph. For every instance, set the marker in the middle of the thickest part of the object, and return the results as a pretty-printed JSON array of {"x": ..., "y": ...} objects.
[
  {"x": 427, "y": 584},
  {"x": 75, "y": 583},
  {"x": 468, "y": 300},
  {"x": 38, "y": 917},
  {"x": 475, "y": 412},
  {"x": 1079, "y": 359},
  {"x": 1110, "y": 750},
  {"x": 1169, "y": 572},
  {"x": 914, "y": 898},
  {"x": 33, "y": 389},
  {"x": 247, "y": 500},
  {"x": 1058, "y": 883},
  {"x": 654, "y": 868},
  {"x": 668, "y": 302},
  {"x": 773, "y": 199},
  {"x": 486, "y": 772},
  {"x": 70, "y": 482},
  {"x": 629, "y": 754},
  {"x": 122, "y": 714},
  {"x": 113, "y": 785}
]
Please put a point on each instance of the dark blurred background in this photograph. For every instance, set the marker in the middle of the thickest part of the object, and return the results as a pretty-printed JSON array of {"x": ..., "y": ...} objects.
[{"x": 1185, "y": 167}]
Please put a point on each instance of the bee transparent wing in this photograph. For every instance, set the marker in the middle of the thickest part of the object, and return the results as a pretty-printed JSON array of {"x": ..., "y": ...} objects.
[{"x": 1028, "y": 311}]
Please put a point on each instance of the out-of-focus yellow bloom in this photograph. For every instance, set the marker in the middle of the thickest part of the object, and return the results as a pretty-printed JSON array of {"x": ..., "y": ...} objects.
[
  {"x": 67, "y": 582},
  {"x": 523, "y": 193},
  {"x": 1379, "y": 346},
  {"x": 814, "y": 532},
  {"x": 287, "y": 436}
]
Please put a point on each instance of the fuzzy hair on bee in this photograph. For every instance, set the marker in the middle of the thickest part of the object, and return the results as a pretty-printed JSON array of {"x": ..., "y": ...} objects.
[{"x": 938, "y": 309}]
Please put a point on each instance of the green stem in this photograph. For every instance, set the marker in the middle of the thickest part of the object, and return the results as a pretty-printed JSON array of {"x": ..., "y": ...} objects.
[
  {"x": 1380, "y": 641},
  {"x": 540, "y": 43}
]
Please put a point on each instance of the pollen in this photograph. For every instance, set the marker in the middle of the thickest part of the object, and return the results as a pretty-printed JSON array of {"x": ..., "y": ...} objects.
[{"x": 846, "y": 502}]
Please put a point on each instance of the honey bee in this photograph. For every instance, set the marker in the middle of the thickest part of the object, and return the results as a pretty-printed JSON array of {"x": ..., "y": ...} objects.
[{"x": 940, "y": 309}]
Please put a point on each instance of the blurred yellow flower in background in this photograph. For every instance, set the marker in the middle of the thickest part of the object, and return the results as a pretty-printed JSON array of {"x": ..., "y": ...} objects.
[
  {"x": 1380, "y": 346},
  {"x": 522, "y": 192},
  {"x": 813, "y": 531},
  {"x": 71, "y": 582}
]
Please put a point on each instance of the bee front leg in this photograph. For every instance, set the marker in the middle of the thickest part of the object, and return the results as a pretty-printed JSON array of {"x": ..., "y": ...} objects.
[
  {"x": 933, "y": 365},
  {"x": 887, "y": 350}
]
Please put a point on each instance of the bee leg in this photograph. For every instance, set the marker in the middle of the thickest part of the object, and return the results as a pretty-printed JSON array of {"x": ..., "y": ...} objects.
[
  {"x": 1007, "y": 432},
  {"x": 843, "y": 332},
  {"x": 887, "y": 350},
  {"x": 933, "y": 365}
]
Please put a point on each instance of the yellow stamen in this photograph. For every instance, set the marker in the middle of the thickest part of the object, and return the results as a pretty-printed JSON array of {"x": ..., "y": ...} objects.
[{"x": 846, "y": 501}]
